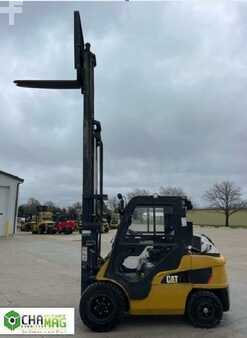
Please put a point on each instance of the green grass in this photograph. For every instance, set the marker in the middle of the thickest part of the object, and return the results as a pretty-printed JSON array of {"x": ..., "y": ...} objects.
[{"x": 222, "y": 226}]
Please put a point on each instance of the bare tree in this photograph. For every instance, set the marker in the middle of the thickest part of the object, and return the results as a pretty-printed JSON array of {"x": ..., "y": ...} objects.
[
  {"x": 176, "y": 191},
  {"x": 31, "y": 206},
  {"x": 138, "y": 192},
  {"x": 28, "y": 209},
  {"x": 168, "y": 191},
  {"x": 33, "y": 202},
  {"x": 225, "y": 196},
  {"x": 50, "y": 204},
  {"x": 112, "y": 202},
  {"x": 75, "y": 208},
  {"x": 76, "y": 205},
  {"x": 171, "y": 191}
]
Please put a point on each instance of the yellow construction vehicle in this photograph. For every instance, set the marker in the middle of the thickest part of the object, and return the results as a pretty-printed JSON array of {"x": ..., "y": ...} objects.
[
  {"x": 157, "y": 266},
  {"x": 42, "y": 222}
]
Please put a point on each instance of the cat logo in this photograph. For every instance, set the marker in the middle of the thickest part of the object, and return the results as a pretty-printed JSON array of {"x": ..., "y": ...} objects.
[{"x": 171, "y": 279}]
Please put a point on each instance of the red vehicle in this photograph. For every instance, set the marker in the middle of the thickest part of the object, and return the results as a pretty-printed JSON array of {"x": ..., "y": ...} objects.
[{"x": 66, "y": 226}]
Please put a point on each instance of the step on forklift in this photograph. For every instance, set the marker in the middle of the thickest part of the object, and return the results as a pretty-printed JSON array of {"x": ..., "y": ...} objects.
[{"x": 156, "y": 266}]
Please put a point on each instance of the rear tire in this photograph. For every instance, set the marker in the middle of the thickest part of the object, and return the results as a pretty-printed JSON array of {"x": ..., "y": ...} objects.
[
  {"x": 204, "y": 309},
  {"x": 102, "y": 306},
  {"x": 67, "y": 231}
]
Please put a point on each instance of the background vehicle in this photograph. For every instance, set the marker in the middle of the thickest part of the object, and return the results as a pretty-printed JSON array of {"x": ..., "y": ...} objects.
[
  {"x": 27, "y": 226},
  {"x": 66, "y": 226},
  {"x": 44, "y": 227},
  {"x": 43, "y": 221}
]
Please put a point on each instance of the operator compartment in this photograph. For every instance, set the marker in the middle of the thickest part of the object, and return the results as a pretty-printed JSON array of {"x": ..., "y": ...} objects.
[
  {"x": 153, "y": 235},
  {"x": 149, "y": 237}
]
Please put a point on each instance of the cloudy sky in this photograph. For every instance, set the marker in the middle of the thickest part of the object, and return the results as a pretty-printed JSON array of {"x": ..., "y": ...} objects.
[{"x": 171, "y": 82}]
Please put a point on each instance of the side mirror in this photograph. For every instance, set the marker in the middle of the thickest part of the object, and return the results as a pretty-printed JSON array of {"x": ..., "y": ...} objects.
[{"x": 120, "y": 203}]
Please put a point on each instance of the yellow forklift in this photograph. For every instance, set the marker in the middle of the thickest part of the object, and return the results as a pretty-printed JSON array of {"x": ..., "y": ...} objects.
[
  {"x": 43, "y": 221},
  {"x": 157, "y": 266}
]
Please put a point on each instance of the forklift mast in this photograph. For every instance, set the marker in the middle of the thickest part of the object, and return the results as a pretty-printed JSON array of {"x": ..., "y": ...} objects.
[{"x": 92, "y": 197}]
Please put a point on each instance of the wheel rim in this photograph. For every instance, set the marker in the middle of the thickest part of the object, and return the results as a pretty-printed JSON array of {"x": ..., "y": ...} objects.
[
  {"x": 101, "y": 307},
  {"x": 205, "y": 311}
]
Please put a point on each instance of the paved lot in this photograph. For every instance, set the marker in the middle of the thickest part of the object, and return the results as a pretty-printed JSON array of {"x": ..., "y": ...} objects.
[{"x": 44, "y": 271}]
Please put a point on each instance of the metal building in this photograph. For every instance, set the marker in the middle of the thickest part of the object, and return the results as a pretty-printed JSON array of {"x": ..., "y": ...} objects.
[{"x": 9, "y": 191}]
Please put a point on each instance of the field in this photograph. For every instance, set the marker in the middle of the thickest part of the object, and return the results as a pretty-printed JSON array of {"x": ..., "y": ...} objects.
[
  {"x": 44, "y": 271},
  {"x": 214, "y": 217}
]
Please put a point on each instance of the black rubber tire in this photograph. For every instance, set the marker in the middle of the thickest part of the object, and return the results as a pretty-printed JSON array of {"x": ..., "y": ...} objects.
[
  {"x": 115, "y": 305},
  {"x": 198, "y": 303},
  {"x": 41, "y": 230},
  {"x": 67, "y": 231}
]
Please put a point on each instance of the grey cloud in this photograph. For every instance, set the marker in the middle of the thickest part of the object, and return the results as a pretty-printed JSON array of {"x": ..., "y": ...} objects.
[{"x": 170, "y": 92}]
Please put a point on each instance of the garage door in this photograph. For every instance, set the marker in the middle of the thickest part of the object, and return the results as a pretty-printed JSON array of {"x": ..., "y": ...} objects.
[{"x": 4, "y": 203}]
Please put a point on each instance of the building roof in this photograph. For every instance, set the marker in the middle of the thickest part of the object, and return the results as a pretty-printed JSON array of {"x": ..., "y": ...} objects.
[
  {"x": 21, "y": 180},
  {"x": 214, "y": 209}
]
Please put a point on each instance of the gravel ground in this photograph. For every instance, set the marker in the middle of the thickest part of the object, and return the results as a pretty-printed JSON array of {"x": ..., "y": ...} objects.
[{"x": 44, "y": 271}]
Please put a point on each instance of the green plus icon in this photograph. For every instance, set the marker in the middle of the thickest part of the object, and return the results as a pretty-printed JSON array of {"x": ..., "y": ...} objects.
[{"x": 12, "y": 320}]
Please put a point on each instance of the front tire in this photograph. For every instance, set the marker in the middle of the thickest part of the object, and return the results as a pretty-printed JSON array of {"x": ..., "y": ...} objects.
[
  {"x": 41, "y": 230},
  {"x": 204, "y": 309},
  {"x": 101, "y": 306}
]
